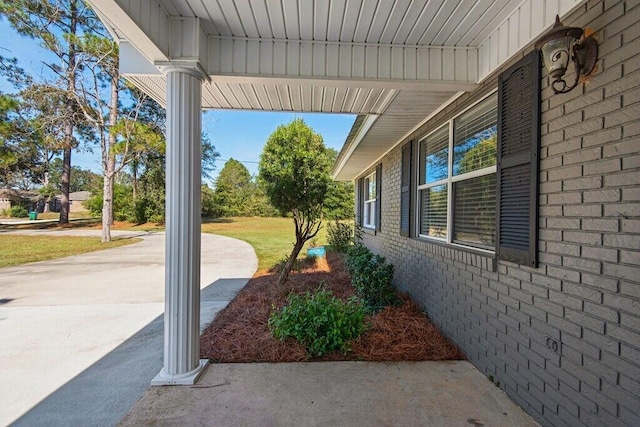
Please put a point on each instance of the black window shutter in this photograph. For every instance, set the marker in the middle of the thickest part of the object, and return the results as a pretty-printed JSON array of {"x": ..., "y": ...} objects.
[
  {"x": 379, "y": 197},
  {"x": 359, "y": 201},
  {"x": 517, "y": 168},
  {"x": 405, "y": 191}
]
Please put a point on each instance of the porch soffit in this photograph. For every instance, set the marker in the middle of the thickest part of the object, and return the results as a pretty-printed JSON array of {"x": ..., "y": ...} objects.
[{"x": 394, "y": 60}]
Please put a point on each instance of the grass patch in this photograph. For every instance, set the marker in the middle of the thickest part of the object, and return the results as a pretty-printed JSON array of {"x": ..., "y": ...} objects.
[
  {"x": 129, "y": 226},
  {"x": 271, "y": 238},
  {"x": 56, "y": 215},
  {"x": 21, "y": 249}
]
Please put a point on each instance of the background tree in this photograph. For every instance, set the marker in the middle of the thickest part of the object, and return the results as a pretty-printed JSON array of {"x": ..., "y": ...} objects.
[
  {"x": 233, "y": 190},
  {"x": 21, "y": 162},
  {"x": 340, "y": 200},
  {"x": 43, "y": 109},
  {"x": 258, "y": 203},
  {"x": 237, "y": 193},
  {"x": 207, "y": 202},
  {"x": 154, "y": 117},
  {"x": 57, "y": 25},
  {"x": 339, "y": 203},
  {"x": 294, "y": 168},
  {"x": 14, "y": 155},
  {"x": 81, "y": 179},
  {"x": 209, "y": 156},
  {"x": 123, "y": 138}
]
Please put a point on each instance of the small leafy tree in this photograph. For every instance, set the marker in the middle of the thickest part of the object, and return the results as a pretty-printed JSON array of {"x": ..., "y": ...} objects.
[{"x": 294, "y": 168}]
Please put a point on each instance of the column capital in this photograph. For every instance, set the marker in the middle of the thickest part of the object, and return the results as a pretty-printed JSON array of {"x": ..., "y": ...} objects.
[{"x": 192, "y": 68}]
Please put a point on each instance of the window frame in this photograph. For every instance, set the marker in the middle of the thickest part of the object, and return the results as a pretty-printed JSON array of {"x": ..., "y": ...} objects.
[
  {"x": 449, "y": 181},
  {"x": 373, "y": 215}
]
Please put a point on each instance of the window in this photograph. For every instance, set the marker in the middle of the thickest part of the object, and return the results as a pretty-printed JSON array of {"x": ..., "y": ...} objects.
[
  {"x": 477, "y": 183},
  {"x": 457, "y": 178},
  {"x": 370, "y": 201}
]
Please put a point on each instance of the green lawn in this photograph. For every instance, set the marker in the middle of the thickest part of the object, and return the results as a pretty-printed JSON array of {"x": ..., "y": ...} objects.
[
  {"x": 271, "y": 238},
  {"x": 56, "y": 215},
  {"x": 20, "y": 249}
]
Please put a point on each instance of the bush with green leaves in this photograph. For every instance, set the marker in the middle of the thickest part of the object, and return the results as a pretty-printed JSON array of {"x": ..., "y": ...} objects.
[
  {"x": 319, "y": 321},
  {"x": 339, "y": 236},
  {"x": 372, "y": 278},
  {"x": 18, "y": 212},
  {"x": 357, "y": 256}
]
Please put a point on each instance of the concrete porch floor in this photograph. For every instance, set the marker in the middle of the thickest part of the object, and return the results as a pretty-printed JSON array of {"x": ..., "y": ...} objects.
[{"x": 451, "y": 393}]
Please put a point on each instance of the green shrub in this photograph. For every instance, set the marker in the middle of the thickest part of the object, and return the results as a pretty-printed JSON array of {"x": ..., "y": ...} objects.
[
  {"x": 339, "y": 236},
  {"x": 18, "y": 212},
  {"x": 320, "y": 321},
  {"x": 372, "y": 278},
  {"x": 357, "y": 256}
]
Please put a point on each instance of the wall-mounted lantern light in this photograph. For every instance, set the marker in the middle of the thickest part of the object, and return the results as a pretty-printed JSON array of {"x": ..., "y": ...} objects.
[{"x": 559, "y": 45}]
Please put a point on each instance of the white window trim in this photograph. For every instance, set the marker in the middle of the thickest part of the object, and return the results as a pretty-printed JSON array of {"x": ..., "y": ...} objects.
[
  {"x": 371, "y": 202},
  {"x": 449, "y": 182}
]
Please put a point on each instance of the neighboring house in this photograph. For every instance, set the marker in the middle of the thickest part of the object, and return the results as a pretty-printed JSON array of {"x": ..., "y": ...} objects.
[
  {"x": 545, "y": 301},
  {"x": 76, "y": 202},
  {"x": 10, "y": 197},
  {"x": 532, "y": 270}
]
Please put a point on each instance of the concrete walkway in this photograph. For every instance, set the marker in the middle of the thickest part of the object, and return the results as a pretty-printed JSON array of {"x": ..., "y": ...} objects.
[
  {"x": 86, "y": 339},
  {"x": 83, "y": 335},
  {"x": 363, "y": 394}
]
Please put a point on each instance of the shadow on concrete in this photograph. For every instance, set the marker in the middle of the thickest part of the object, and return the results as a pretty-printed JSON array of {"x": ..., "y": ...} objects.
[{"x": 102, "y": 394}]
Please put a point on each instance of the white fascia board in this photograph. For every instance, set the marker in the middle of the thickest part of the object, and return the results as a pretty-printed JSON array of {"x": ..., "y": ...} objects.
[
  {"x": 319, "y": 81},
  {"x": 362, "y": 132}
]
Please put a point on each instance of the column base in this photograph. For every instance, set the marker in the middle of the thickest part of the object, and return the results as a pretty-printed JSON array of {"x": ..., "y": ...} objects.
[{"x": 188, "y": 378}]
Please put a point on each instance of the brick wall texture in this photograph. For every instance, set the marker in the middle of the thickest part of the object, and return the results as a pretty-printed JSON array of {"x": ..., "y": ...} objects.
[{"x": 562, "y": 340}]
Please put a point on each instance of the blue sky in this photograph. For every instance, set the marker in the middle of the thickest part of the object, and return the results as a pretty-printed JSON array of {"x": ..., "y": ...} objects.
[{"x": 236, "y": 134}]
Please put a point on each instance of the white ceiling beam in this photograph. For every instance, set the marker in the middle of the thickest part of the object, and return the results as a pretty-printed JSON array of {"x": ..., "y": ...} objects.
[
  {"x": 343, "y": 64},
  {"x": 143, "y": 24},
  {"x": 132, "y": 62}
]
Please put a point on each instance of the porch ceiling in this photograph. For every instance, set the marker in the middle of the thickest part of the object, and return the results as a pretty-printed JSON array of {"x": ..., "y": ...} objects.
[
  {"x": 393, "y": 61},
  {"x": 400, "y": 22}
]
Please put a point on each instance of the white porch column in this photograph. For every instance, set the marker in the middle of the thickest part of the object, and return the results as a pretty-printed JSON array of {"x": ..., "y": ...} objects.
[{"x": 182, "y": 364}]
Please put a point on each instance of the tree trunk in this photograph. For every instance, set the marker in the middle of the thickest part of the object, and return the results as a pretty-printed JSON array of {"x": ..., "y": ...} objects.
[
  {"x": 47, "y": 199},
  {"x": 65, "y": 179},
  {"x": 69, "y": 119},
  {"x": 112, "y": 175},
  {"x": 284, "y": 274},
  {"x": 107, "y": 207},
  {"x": 134, "y": 179},
  {"x": 109, "y": 164}
]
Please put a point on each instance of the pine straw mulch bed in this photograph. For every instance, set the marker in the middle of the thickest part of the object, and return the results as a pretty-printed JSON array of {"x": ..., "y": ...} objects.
[{"x": 239, "y": 333}]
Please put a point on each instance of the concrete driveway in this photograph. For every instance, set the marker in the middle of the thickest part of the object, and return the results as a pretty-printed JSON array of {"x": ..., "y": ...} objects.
[{"x": 82, "y": 336}]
